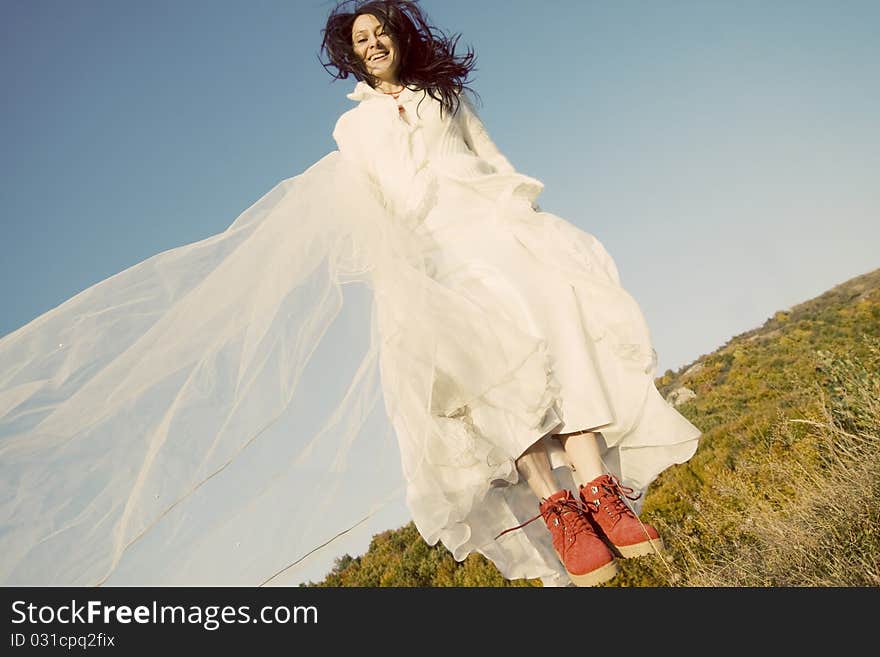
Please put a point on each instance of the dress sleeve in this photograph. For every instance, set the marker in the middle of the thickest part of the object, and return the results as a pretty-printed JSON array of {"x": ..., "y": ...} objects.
[
  {"x": 478, "y": 139},
  {"x": 355, "y": 154},
  {"x": 350, "y": 147}
]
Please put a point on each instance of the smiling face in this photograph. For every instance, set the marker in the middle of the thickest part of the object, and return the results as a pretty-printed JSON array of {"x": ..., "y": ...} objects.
[{"x": 376, "y": 48}]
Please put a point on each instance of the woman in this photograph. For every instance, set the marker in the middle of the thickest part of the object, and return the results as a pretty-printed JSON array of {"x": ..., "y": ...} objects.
[
  {"x": 207, "y": 417},
  {"x": 492, "y": 244}
]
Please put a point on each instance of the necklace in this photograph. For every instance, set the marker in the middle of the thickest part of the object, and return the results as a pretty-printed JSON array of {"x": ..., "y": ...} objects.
[{"x": 395, "y": 95}]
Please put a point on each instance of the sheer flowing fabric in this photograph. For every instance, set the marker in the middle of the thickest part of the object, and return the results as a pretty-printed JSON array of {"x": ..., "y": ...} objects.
[{"x": 213, "y": 414}]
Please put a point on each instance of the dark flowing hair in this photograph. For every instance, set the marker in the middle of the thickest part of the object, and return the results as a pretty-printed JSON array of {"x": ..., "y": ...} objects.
[{"x": 428, "y": 59}]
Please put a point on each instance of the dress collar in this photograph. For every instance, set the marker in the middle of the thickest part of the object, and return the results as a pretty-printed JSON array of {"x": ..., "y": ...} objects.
[{"x": 363, "y": 91}]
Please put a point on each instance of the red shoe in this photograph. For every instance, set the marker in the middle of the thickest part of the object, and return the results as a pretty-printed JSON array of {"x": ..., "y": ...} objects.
[
  {"x": 585, "y": 556},
  {"x": 614, "y": 519}
]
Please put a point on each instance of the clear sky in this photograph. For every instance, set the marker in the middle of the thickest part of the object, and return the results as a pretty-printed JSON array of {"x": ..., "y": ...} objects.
[{"x": 727, "y": 154}]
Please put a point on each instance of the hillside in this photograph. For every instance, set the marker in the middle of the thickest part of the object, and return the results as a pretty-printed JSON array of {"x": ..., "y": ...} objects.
[{"x": 784, "y": 488}]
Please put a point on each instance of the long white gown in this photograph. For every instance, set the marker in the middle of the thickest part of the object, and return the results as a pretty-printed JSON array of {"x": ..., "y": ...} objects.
[{"x": 228, "y": 412}]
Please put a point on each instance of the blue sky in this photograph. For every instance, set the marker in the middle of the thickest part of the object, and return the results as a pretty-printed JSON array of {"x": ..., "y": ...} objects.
[{"x": 726, "y": 153}]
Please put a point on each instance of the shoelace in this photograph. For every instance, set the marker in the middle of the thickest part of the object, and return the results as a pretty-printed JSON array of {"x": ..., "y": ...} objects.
[
  {"x": 611, "y": 498},
  {"x": 566, "y": 505}
]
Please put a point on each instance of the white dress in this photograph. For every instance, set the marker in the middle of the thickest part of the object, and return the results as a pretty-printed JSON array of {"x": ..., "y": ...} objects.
[
  {"x": 230, "y": 411},
  {"x": 536, "y": 273}
]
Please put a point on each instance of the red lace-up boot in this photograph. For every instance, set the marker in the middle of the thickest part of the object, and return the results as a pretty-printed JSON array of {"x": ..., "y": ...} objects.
[
  {"x": 585, "y": 556},
  {"x": 615, "y": 520}
]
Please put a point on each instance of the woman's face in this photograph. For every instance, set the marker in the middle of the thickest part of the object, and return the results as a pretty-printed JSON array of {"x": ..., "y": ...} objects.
[{"x": 375, "y": 47}]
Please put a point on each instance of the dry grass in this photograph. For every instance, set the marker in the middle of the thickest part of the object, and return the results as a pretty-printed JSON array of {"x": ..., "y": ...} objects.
[{"x": 803, "y": 510}]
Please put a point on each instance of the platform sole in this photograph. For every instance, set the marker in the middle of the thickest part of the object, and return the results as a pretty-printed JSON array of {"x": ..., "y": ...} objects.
[
  {"x": 654, "y": 546},
  {"x": 596, "y": 577}
]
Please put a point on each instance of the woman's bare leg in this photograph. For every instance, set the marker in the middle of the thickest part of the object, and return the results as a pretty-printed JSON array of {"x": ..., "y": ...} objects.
[
  {"x": 585, "y": 557},
  {"x": 611, "y": 513},
  {"x": 534, "y": 466},
  {"x": 582, "y": 448}
]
